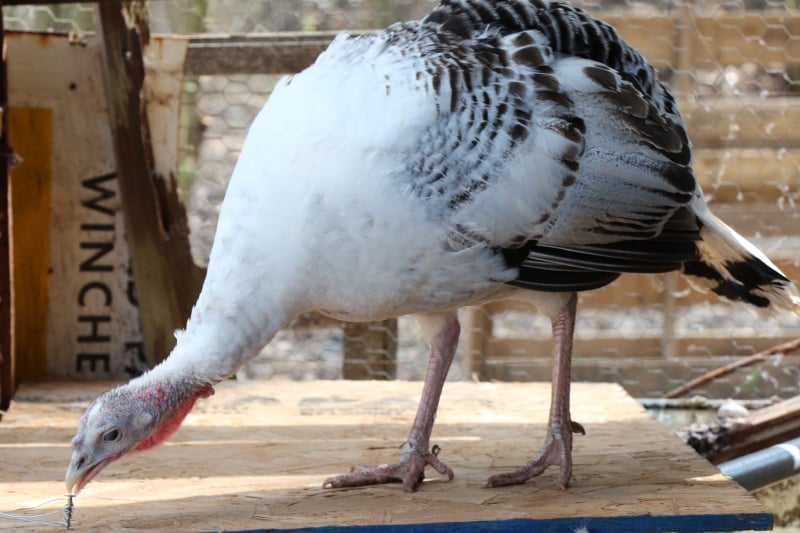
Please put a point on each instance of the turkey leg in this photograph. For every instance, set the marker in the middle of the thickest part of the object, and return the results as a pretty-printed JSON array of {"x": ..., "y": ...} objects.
[
  {"x": 415, "y": 453},
  {"x": 557, "y": 449}
]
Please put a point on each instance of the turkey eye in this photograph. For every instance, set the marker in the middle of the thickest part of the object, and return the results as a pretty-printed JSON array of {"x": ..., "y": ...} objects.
[{"x": 111, "y": 436}]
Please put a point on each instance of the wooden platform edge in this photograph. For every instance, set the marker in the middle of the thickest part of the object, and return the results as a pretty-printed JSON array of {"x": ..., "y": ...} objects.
[
  {"x": 650, "y": 483},
  {"x": 652, "y": 523}
]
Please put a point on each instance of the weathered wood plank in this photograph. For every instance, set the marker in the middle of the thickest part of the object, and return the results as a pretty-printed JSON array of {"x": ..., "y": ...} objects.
[
  {"x": 7, "y": 359},
  {"x": 260, "y": 451},
  {"x": 163, "y": 88},
  {"x": 723, "y": 440},
  {"x": 749, "y": 175},
  {"x": 31, "y": 184},
  {"x": 645, "y": 344},
  {"x": 722, "y": 39},
  {"x": 477, "y": 329},
  {"x": 167, "y": 280},
  {"x": 278, "y": 53},
  {"x": 742, "y": 122},
  {"x": 650, "y": 377},
  {"x": 92, "y": 321}
]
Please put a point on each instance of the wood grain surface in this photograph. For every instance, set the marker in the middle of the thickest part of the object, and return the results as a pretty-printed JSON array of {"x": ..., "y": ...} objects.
[{"x": 254, "y": 456}]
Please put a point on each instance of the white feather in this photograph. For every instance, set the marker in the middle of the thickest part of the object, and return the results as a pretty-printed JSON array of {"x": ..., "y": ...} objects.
[{"x": 323, "y": 213}]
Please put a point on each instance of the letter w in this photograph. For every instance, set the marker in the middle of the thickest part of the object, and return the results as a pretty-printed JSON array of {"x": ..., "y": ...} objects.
[{"x": 96, "y": 184}]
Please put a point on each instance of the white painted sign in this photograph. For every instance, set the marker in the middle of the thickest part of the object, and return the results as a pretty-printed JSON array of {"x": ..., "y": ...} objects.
[{"x": 92, "y": 323}]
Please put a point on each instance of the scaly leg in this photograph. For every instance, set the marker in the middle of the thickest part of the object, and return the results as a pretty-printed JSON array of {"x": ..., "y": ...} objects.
[
  {"x": 557, "y": 449},
  {"x": 415, "y": 454}
]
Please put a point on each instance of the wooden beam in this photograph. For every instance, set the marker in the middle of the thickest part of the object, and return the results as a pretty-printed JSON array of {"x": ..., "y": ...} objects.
[
  {"x": 275, "y": 53},
  {"x": 7, "y": 373},
  {"x": 477, "y": 332},
  {"x": 645, "y": 344},
  {"x": 726, "y": 439},
  {"x": 644, "y": 377},
  {"x": 726, "y": 39},
  {"x": 749, "y": 175},
  {"x": 167, "y": 280},
  {"x": 746, "y": 121},
  {"x": 722, "y": 39}
]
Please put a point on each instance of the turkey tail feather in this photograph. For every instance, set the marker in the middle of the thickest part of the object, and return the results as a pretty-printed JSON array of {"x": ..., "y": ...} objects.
[{"x": 734, "y": 268}]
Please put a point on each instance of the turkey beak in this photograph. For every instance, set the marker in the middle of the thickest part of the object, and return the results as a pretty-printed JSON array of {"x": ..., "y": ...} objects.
[
  {"x": 75, "y": 473},
  {"x": 82, "y": 470}
]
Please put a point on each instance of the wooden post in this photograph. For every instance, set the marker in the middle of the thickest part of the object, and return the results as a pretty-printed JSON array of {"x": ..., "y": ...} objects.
[
  {"x": 167, "y": 280},
  {"x": 7, "y": 375},
  {"x": 669, "y": 336},
  {"x": 478, "y": 330},
  {"x": 685, "y": 28},
  {"x": 370, "y": 350}
]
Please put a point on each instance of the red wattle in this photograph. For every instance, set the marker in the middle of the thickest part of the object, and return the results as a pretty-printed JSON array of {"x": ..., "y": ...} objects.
[{"x": 168, "y": 427}]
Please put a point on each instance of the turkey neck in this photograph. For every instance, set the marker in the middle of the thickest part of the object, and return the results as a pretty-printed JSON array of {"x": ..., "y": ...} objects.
[
  {"x": 251, "y": 290},
  {"x": 239, "y": 310}
]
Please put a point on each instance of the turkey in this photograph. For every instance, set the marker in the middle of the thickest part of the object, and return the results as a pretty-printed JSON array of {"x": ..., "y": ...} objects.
[{"x": 492, "y": 150}]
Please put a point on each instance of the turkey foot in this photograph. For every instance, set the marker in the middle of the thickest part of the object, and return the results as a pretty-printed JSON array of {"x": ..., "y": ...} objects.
[
  {"x": 410, "y": 470},
  {"x": 557, "y": 451},
  {"x": 443, "y": 330}
]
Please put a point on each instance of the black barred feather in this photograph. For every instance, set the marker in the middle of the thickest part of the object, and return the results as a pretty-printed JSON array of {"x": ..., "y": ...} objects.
[
  {"x": 515, "y": 62},
  {"x": 568, "y": 29},
  {"x": 733, "y": 268},
  {"x": 555, "y": 145}
]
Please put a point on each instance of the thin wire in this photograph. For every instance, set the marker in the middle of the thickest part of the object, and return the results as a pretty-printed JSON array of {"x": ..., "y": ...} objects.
[
  {"x": 68, "y": 511},
  {"x": 38, "y": 518}
]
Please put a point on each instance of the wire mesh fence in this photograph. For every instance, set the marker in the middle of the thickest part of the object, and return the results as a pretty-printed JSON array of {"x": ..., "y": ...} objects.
[{"x": 735, "y": 68}]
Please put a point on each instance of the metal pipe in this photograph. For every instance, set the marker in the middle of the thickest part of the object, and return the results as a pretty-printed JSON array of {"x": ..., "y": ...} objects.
[{"x": 766, "y": 466}]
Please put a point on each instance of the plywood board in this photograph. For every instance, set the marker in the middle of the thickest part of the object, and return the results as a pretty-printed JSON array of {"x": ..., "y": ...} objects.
[
  {"x": 31, "y": 132},
  {"x": 92, "y": 318},
  {"x": 164, "y": 58},
  {"x": 254, "y": 456}
]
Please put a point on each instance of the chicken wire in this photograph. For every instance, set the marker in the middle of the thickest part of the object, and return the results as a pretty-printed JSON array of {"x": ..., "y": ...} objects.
[{"x": 730, "y": 98}]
